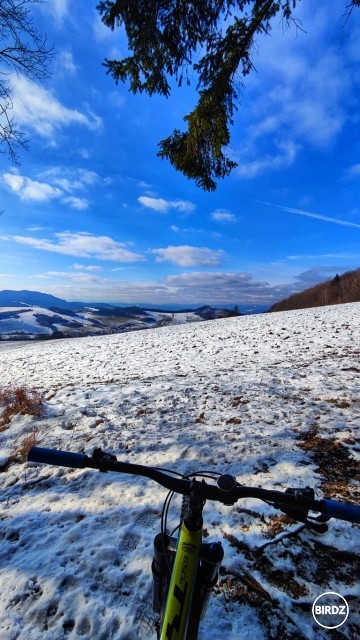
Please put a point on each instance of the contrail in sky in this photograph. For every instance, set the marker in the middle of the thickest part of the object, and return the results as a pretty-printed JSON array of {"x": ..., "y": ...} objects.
[{"x": 309, "y": 214}]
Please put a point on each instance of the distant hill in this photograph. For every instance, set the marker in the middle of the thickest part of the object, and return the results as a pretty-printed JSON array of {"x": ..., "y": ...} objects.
[
  {"x": 209, "y": 313},
  {"x": 338, "y": 290},
  {"x": 11, "y": 298},
  {"x": 32, "y": 315}
]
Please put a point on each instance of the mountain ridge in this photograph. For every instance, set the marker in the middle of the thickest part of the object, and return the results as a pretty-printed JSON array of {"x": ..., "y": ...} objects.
[{"x": 22, "y": 318}]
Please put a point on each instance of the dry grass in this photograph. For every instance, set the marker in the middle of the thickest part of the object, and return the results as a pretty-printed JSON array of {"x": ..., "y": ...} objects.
[
  {"x": 277, "y": 524},
  {"x": 19, "y": 401},
  {"x": 22, "y": 448}
]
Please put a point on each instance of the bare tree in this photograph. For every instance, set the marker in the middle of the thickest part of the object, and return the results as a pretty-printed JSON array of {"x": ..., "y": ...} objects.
[{"x": 23, "y": 51}]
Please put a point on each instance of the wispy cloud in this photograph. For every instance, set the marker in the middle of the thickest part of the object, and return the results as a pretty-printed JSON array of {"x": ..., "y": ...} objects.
[
  {"x": 223, "y": 215},
  {"x": 282, "y": 156},
  {"x": 346, "y": 256},
  {"x": 59, "y": 9},
  {"x": 77, "y": 277},
  {"x": 163, "y": 206},
  {"x": 195, "y": 230},
  {"x": 71, "y": 178},
  {"x": 82, "y": 267},
  {"x": 65, "y": 62},
  {"x": 77, "y": 203},
  {"x": 302, "y": 94},
  {"x": 61, "y": 183},
  {"x": 38, "y": 109},
  {"x": 353, "y": 171},
  {"x": 187, "y": 256},
  {"x": 310, "y": 214},
  {"x": 81, "y": 245}
]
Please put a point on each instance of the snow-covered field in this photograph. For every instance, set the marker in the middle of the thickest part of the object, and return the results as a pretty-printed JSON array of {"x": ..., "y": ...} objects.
[
  {"x": 174, "y": 318},
  {"x": 272, "y": 399},
  {"x": 33, "y": 321}
]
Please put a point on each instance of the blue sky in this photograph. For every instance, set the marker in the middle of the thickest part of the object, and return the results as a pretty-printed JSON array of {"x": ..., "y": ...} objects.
[{"x": 93, "y": 214}]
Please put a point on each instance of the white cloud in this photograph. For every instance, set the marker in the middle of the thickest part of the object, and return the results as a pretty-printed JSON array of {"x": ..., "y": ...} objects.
[
  {"x": 84, "y": 153},
  {"x": 65, "y": 62},
  {"x": 223, "y": 215},
  {"x": 76, "y": 277},
  {"x": 105, "y": 36},
  {"x": 76, "y": 203},
  {"x": 38, "y": 109},
  {"x": 163, "y": 206},
  {"x": 186, "y": 256},
  {"x": 285, "y": 156},
  {"x": 82, "y": 267},
  {"x": 220, "y": 288},
  {"x": 71, "y": 179},
  {"x": 191, "y": 289},
  {"x": 28, "y": 189},
  {"x": 59, "y": 8},
  {"x": 61, "y": 183},
  {"x": 302, "y": 94},
  {"x": 82, "y": 245}
]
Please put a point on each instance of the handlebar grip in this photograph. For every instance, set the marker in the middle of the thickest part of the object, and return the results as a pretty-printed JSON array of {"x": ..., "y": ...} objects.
[
  {"x": 348, "y": 512},
  {"x": 59, "y": 458}
]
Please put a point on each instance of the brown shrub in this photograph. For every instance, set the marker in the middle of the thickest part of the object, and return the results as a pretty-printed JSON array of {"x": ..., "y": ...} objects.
[
  {"x": 19, "y": 401},
  {"x": 21, "y": 451}
]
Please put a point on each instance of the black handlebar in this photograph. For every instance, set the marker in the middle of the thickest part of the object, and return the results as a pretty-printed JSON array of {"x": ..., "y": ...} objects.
[{"x": 293, "y": 499}]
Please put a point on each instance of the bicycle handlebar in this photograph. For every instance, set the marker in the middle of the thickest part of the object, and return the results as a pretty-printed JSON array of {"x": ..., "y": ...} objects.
[{"x": 292, "y": 498}]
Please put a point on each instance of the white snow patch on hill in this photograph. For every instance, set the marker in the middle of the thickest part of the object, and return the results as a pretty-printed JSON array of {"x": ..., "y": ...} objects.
[
  {"x": 34, "y": 321},
  {"x": 238, "y": 396}
]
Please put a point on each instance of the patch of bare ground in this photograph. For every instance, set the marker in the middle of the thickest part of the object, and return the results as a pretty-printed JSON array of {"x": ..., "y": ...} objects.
[
  {"x": 340, "y": 471},
  {"x": 244, "y": 588},
  {"x": 277, "y": 524},
  {"x": 318, "y": 564}
]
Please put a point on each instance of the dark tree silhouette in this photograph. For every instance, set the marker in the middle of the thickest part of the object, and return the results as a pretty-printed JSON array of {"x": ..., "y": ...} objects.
[
  {"x": 23, "y": 51},
  {"x": 214, "y": 39}
]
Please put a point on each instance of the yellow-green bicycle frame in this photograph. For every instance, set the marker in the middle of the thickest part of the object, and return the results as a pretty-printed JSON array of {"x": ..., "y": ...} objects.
[{"x": 186, "y": 562}]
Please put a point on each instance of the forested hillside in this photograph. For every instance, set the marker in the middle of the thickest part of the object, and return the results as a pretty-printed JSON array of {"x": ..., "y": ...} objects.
[{"x": 338, "y": 290}]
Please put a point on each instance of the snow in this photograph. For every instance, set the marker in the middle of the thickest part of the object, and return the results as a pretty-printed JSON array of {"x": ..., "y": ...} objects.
[
  {"x": 174, "y": 318},
  {"x": 25, "y": 321},
  {"x": 238, "y": 396}
]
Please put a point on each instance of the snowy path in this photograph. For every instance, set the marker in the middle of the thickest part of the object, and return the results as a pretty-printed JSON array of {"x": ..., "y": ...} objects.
[{"x": 254, "y": 396}]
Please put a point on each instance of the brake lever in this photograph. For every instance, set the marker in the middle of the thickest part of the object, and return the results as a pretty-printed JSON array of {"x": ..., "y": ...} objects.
[{"x": 301, "y": 514}]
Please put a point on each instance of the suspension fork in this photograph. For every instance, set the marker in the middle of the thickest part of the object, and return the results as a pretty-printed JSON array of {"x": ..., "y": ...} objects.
[
  {"x": 181, "y": 588},
  {"x": 194, "y": 566}
]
